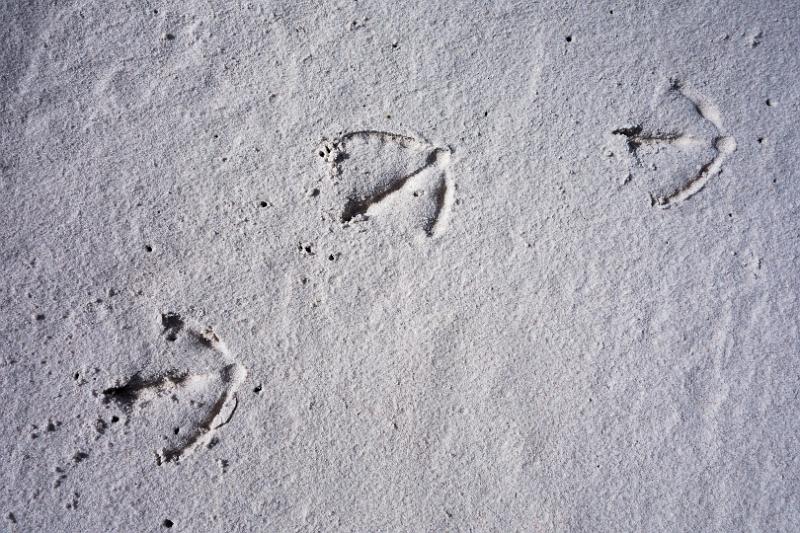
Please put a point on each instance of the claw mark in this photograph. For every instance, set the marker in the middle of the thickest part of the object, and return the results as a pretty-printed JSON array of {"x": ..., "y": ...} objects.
[
  {"x": 140, "y": 390},
  {"x": 173, "y": 324},
  {"x": 366, "y": 196},
  {"x": 723, "y": 144}
]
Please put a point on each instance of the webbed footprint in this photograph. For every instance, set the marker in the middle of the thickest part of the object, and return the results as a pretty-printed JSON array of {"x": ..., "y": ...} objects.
[
  {"x": 188, "y": 403},
  {"x": 388, "y": 176},
  {"x": 679, "y": 146}
]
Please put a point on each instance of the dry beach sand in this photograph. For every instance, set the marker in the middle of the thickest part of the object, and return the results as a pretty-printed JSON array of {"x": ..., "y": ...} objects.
[{"x": 399, "y": 266}]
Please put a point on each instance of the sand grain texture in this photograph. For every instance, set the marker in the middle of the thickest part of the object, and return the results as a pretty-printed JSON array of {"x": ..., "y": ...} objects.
[{"x": 468, "y": 266}]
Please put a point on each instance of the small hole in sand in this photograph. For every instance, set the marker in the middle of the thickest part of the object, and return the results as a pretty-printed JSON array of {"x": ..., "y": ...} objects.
[{"x": 167, "y": 523}]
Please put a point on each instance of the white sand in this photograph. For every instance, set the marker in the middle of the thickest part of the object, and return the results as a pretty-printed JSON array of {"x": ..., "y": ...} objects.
[{"x": 430, "y": 243}]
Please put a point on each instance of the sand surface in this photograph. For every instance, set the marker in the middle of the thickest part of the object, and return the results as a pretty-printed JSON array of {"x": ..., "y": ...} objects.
[{"x": 399, "y": 266}]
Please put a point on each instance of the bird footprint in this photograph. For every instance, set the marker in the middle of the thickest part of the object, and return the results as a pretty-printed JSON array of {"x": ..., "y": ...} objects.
[
  {"x": 203, "y": 401},
  {"x": 709, "y": 138},
  {"x": 379, "y": 173}
]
